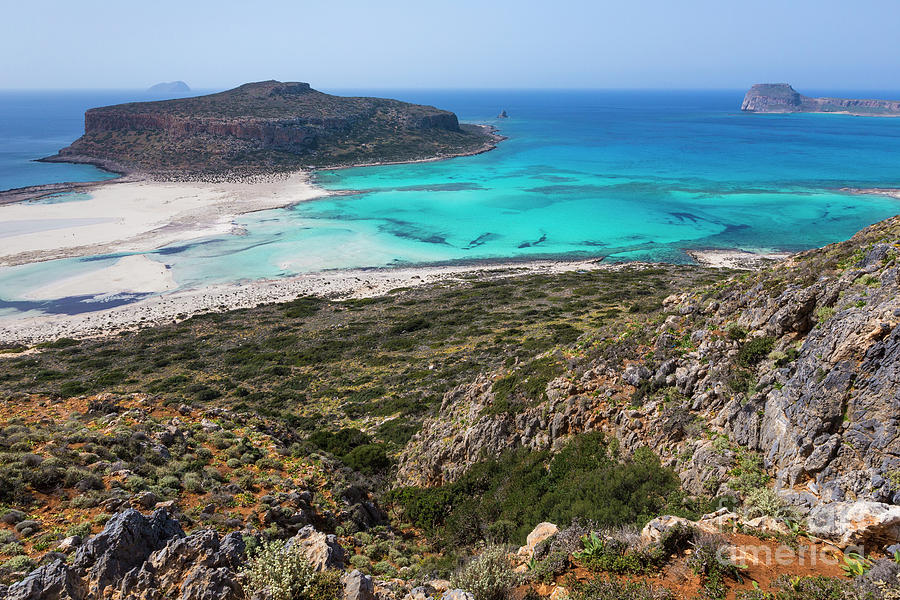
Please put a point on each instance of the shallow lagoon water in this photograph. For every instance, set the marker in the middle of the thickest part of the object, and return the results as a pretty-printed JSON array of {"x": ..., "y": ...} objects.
[{"x": 619, "y": 175}]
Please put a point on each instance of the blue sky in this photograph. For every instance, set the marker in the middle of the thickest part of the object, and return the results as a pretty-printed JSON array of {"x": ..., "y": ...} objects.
[{"x": 821, "y": 44}]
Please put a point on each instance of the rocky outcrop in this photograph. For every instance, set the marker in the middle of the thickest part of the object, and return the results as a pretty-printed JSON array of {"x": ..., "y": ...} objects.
[
  {"x": 197, "y": 567},
  {"x": 782, "y": 98},
  {"x": 150, "y": 558},
  {"x": 128, "y": 539},
  {"x": 466, "y": 430},
  {"x": 321, "y": 550}
]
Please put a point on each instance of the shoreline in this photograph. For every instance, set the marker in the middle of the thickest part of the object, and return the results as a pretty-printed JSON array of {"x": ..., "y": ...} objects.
[
  {"x": 336, "y": 284},
  {"x": 339, "y": 284}
]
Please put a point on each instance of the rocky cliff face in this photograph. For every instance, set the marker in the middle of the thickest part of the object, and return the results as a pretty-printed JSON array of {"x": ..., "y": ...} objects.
[
  {"x": 800, "y": 363},
  {"x": 782, "y": 98},
  {"x": 267, "y": 126}
]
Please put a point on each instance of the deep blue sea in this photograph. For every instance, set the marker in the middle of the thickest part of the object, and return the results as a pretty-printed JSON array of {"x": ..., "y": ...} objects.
[{"x": 619, "y": 174}]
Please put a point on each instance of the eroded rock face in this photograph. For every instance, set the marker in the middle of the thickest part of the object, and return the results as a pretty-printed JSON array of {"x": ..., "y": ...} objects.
[
  {"x": 464, "y": 432},
  {"x": 128, "y": 539},
  {"x": 358, "y": 586}
]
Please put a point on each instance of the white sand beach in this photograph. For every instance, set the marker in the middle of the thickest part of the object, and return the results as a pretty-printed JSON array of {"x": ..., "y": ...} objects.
[{"x": 137, "y": 216}]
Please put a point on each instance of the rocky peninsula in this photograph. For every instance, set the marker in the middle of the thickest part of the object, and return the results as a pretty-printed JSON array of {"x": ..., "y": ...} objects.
[
  {"x": 782, "y": 98},
  {"x": 267, "y": 127}
]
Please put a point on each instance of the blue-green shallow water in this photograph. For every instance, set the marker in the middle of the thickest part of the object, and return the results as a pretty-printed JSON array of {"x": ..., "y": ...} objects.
[{"x": 623, "y": 175}]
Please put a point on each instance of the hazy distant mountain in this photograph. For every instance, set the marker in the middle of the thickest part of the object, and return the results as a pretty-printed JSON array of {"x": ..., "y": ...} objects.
[{"x": 172, "y": 87}]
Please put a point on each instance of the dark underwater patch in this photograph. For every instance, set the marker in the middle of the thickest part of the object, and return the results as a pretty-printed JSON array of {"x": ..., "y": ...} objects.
[
  {"x": 410, "y": 231},
  {"x": 567, "y": 189},
  {"x": 463, "y": 186},
  {"x": 482, "y": 239},
  {"x": 540, "y": 240}
]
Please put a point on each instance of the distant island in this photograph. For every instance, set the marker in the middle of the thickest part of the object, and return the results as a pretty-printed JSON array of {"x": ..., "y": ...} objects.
[
  {"x": 782, "y": 98},
  {"x": 267, "y": 127},
  {"x": 171, "y": 87}
]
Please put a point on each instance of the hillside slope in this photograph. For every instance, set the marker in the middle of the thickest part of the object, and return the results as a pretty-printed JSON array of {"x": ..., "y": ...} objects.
[{"x": 661, "y": 416}]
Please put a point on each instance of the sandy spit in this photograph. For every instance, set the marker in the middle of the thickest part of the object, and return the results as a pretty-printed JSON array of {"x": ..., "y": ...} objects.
[{"x": 138, "y": 216}]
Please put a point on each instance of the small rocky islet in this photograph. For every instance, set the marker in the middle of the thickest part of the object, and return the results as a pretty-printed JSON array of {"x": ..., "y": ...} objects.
[
  {"x": 267, "y": 127},
  {"x": 782, "y": 98}
]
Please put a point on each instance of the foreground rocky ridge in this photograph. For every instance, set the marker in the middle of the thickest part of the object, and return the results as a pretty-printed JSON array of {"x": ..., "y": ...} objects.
[
  {"x": 798, "y": 363},
  {"x": 772, "y": 393}
]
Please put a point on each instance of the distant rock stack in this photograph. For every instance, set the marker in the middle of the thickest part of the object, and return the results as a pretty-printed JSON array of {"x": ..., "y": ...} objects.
[{"x": 503, "y": 115}]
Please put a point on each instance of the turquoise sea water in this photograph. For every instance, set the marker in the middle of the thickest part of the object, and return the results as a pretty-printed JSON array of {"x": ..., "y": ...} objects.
[{"x": 620, "y": 175}]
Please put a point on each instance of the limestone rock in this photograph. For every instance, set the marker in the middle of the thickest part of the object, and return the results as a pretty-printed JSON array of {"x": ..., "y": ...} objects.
[
  {"x": 322, "y": 551},
  {"x": 867, "y": 524},
  {"x": 358, "y": 586}
]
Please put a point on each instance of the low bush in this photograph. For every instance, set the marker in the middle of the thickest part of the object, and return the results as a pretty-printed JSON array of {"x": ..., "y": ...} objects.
[
  {"x": 600, "y": 589},
  {"x": 280, "y": 573},
  {"x": 709, "y": 561},
  {"x": 487, "y": 576}
]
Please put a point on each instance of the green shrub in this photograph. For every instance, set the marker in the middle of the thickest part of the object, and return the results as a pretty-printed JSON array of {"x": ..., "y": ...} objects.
[
  {"x": 18, "y": 564},
  {"x": 525, "y": 386},
  {"x": 753, "y": 351},
  {"x": 340, "y": 442},
  {"x": 709, "y": 562},
  {"x": 585, "y": 479},
  {"x": 368, "y": 458},
  {"x": 805, "y": 588},
  {"x": 823, "y": 313},
  {"x": 303, "y": 306},
  {"x": 764, "y": 501},
  {"x": 735, "y": 332},
  {"x": 82, "y": 530},
  {"x": 487, "y": 576}
]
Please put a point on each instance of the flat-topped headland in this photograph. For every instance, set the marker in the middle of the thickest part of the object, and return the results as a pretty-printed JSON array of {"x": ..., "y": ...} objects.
[
  {"x": 782, "y": 98},
  {"x": 268, "y": 127}
]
